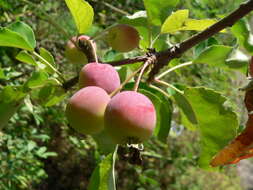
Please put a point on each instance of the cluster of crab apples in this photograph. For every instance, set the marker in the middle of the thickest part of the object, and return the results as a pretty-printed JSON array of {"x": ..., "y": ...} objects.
[{"x": 126, "y": 116}]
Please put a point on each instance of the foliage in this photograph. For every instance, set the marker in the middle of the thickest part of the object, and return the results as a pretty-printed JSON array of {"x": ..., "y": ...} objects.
[{"x": 38, "y": 148}]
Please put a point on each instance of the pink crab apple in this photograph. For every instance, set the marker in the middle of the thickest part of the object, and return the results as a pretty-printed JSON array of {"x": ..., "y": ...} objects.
[
  {"x": 101, "y": 75},
  {"x": 123, "y": 38},
  {"x": 85, "y": 110},
  {"x": 73, "y": 54},
  {"x": 130, "y": 117}
]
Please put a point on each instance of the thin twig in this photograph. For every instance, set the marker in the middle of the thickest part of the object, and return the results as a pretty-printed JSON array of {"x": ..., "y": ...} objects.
[
  {"x": 174, "y": 68},
  {"x": 178, "y": 50}
]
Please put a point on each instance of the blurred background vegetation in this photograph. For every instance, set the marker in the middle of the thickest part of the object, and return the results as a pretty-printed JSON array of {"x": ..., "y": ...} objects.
[{"x": 38, "y": 151}]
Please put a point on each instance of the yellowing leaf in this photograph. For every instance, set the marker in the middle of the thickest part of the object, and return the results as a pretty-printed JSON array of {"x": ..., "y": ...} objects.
[
  {"x": 192, "y": 24},
  {"x": 199, "y": 25},
  {"x": 175, "y": 21},
  {"x": 82, "y": 13}
]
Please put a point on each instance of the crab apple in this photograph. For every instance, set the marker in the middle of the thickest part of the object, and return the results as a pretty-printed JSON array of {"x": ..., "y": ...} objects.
[
  {"x": 101, "y": 75},
  {"x": 123, "y": 38},
  {"x": 85, "y": 110},
  {"x": 130, "y": 117},
  {"x": 73, "y": 54}
]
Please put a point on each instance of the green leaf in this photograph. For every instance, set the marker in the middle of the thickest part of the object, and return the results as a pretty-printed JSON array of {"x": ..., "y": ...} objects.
[
  {"x": 215, "y": 55},
  {"x": 157, "y": 11},
  {"x": 241, "y": 30},
  {"x": 7, "y": 110},
  {"x": 104, "y": 142},
  {"x": 13, "y": 39},
  {"x": 166, "y": 111},
  {"x": 238, "y": 60},
  {"x": 50, "y": 95},
  {"x": 204, "y": 44},
  {"x": 25, "y": 31},
  {"x": 49, "y": 58},
  {"x": 185, "y": 107},
  {"x": 217, "y": 124},
  {"x": 179, "y": 21},
  {"x": 25, "y": 57},
  {"x": 37, "y": 80},
  {"x": 198, "y": 25},
  {"x": 175, "y": 21},
  {"x": 82, "y": 13},
  {"x": 102, "y": 175},
  {"x": 10, "y": 100},
  {"x": 2, "y": 75}
]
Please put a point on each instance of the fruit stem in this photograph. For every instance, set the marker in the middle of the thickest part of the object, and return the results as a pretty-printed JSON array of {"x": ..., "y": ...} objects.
[
  {"x": 168, "y": 85},
  {"x": 49, "y": 65},
  {"x": 136, "y": 85},
  {"x": 125, "y": 82},
  {"x": 173, "y": 68}
]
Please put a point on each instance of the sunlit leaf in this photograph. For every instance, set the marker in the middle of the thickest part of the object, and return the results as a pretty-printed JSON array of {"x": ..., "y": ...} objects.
[
  {"x": 25, "y": 31},
  {"x": 13, "y": 39},
  {"x": 25, "y": 57},
  {"x": 49, "y": 58},
  {"x": 82, "y": 13},
  {"x": 157, "y": 11},
  {"x": 101, "y": 178},
  {"x": 175, "y": 21},
  {"x": 217, "y": 123}
]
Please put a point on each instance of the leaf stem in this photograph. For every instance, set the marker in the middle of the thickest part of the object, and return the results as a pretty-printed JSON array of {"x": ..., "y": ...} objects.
[
  {"x": 174, "y": 68},
  {"x": 154, "y": 40},
  {"x": 113, "y": 166},
  {"x": 160, "y": 90},
  {"x": 168, "y": 85},
  {"x": 49, "y": 65}
]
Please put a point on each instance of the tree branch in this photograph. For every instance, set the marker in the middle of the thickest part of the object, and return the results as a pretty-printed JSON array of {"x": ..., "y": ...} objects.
[
  {"x": 163, "y": 57},
  {"x": 177, "y": 51}
]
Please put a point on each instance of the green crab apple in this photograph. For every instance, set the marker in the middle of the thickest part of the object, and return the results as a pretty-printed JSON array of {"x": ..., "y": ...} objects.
[
  {"x": 85, "y": 110},
  {"x": 101, "y": 75},
  {"x": 130, "y": 117},
  {"x": 123, "y": 38},
  {"x": 73, "y": 54}
]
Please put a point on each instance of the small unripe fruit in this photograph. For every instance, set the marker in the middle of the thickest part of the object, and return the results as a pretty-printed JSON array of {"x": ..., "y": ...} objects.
[
  {"x": 85, "y": 110},
  {"x": 73, "y": 54},
  {"x": 101, "y": 75},
  {"x": 123, "y": 38},
  {"x": 130, "y": 117}
]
